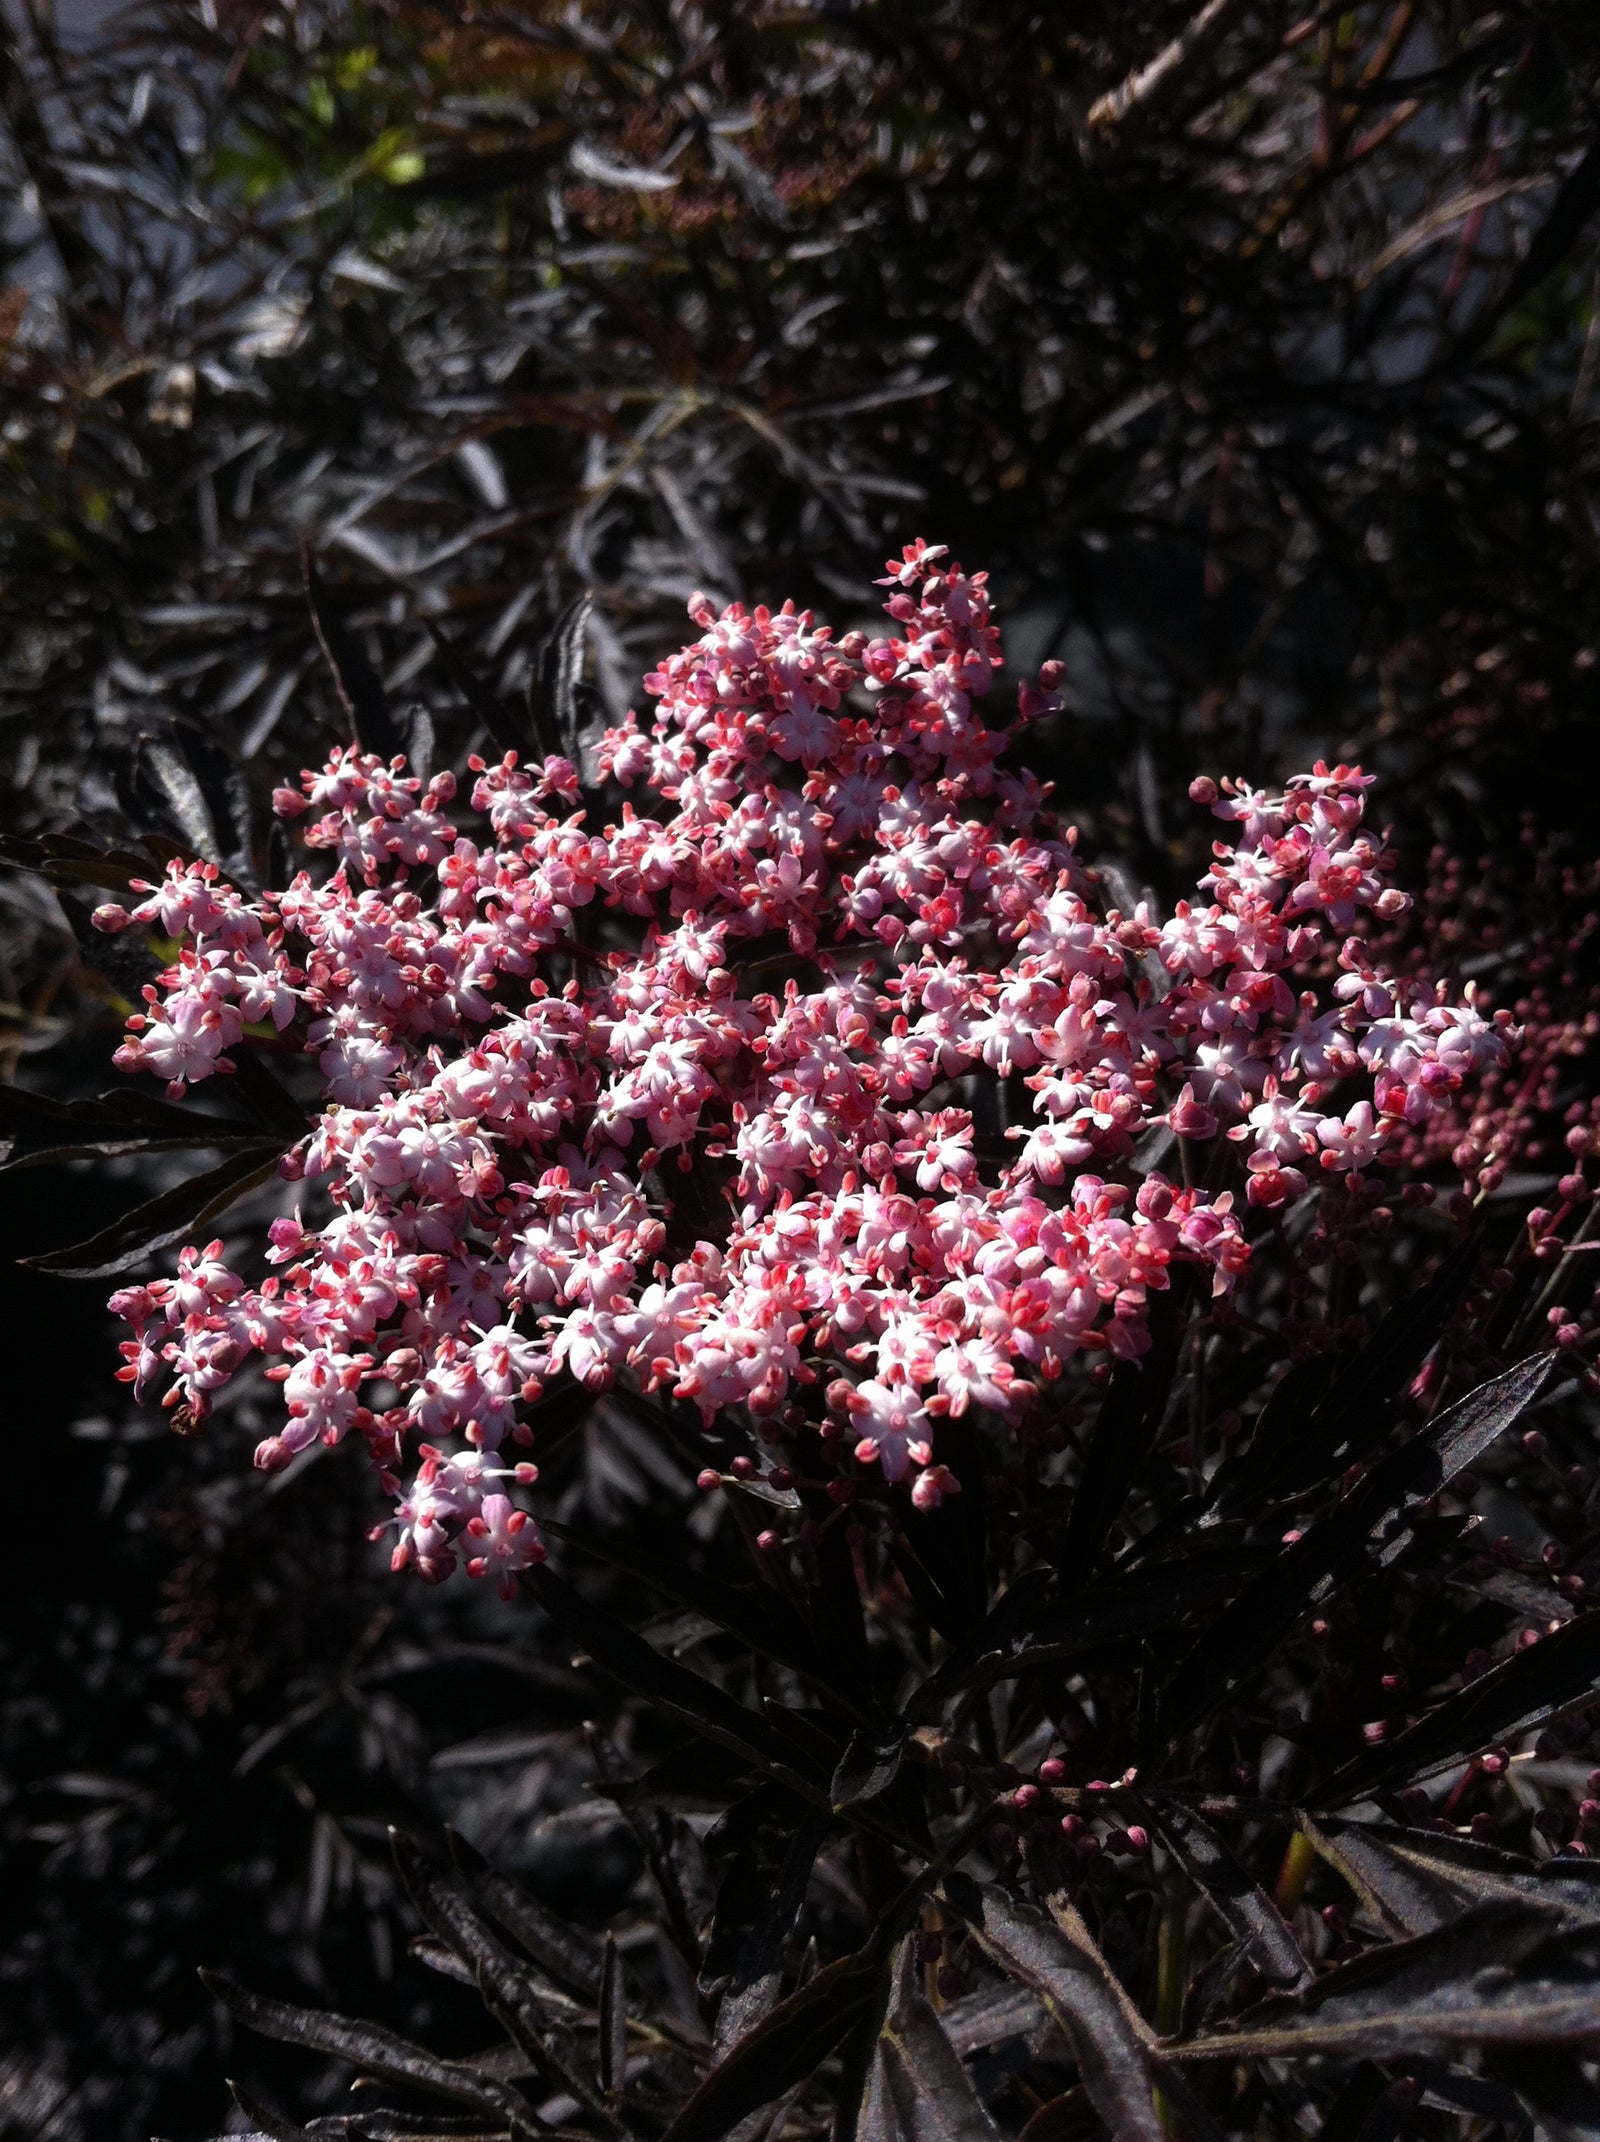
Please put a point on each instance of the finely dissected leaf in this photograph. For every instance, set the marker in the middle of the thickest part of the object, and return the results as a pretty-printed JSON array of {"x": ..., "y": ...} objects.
[
  {"x": 1505, "y": 1973},
  {"x": 672, "y": 1852},
  {"x": 1057, "y": 1959},
  {"x": 571, "y": 1958},
  {"x": 1012, "y": 1614},
  {"x": 361, "y": 693},
  {"x": 1027, "y": 1631},
  {"x": 558, "y": 698},
  {"x": 203, "y": 794},
  {"x": 445, "y": 1901},
  {"x": 688, "y": 1696},
  {"x": 1525, "y": 1690},
  {"x": 1293, "y": 1449},
  {"x": 701, "y": 1777},
  {"x": 1368, "y": 1528},
  {"x": 65, "y": 860},
  {"x": 917, "y": 2089},
  {"x": 786, "y": 2046},
  {"x": 370, "y": 2048},
  {"x": 512, "y": 1991},
  {"x": 1408, "y": 1897},
  {"x": 771, "y": 1841},
  {"x": 1417, "y": 1879},
  {"x": 172, "y": 1217},
  {"x": 1239, "y": 1901},
  {"x": 38, "y": 1131}
]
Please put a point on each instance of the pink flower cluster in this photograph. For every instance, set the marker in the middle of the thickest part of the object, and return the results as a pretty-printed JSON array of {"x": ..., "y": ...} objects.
[{"x": 566, "y": 1128}]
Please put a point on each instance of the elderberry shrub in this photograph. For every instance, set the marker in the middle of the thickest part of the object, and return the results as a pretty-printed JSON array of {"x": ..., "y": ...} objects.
[{"x": 1091, "y": 1401}]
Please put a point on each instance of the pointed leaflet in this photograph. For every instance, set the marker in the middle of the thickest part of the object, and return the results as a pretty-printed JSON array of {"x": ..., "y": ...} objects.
[
  {"x": 62, "y": 859},
  {"x": 37, "y": 1130},
  {"x": 558, "y": 699},
  {"x": 1417, "y": 1879},
  {"x": 672, "y": 1852},
  {"x": 1368, "y": 1528},
  {"x": 194, "y": 781},
  {"x": 570, "y": 1956},
  {"x": 265, "y": 2126},
  {"x": 1110, "y": 2043},
  {"x": 372, "y": 2049},
  {"x": 612, "y": 2048},
  {"x": 1524, "y": 1691},
  {"x": 509, "y": 1989},
  {"x": 917, "y": 2089},
  {"x": 361, "y": 694},
  {"x": 1408, "y": 1898},
  {"x": 1505, "y": 1973},
  {"x": 769, "y": 1843},
  {"x": 172, "y": 1217},
  {"x": 1292, "y": 1450},
  {"x": 869, "y": 1765},
  {"x": 1240, "y": 1902},
  {"x": 697, "y": 1702},
  {"x": 787, "y": 2046}
]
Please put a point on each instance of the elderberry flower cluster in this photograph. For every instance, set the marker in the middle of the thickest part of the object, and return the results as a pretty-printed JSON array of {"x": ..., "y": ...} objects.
[{"x": 566, "y": 1128}]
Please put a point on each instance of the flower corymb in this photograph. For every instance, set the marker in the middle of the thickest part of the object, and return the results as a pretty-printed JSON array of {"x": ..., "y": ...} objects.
[{"x": 812, "y": 1075}]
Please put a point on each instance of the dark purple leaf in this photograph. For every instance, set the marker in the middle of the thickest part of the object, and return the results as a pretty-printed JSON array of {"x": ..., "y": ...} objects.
[
  {"x": 1369, "y": 1528},
  {"x": 570, "y": 1957},
  {"x": 1504, "y": 1973},
  {"x": 39, "y": 1131},
  {"x": 175, "y": 1216},
  {"x": 371, "y": 2049},
  {"x": 687, "y": 1696},
  {"x": 786, "y": 2046},
  {"x": 1239, "y": 1901},
  {"x": 1294, "y": 1448},
  {"x": 1056, "y": 1958},
  {"x": 1525, "y": 1690},
  {"x": 917, "y": 2089}
]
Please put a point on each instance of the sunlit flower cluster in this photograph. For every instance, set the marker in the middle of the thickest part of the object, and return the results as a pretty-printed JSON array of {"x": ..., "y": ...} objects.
[{"x": 814, "y": 1078}]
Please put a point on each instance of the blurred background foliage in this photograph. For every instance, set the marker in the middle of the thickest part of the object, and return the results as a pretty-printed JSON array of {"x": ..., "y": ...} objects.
[{"x": 1254, "y": 348}]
